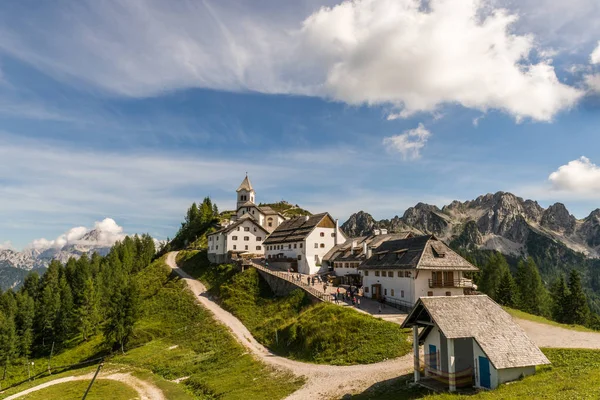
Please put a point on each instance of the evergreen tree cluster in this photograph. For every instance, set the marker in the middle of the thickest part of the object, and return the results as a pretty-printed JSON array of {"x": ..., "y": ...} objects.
[
  {"x": 80, "y": 298},
  {"x": 199, "y": 220},
  {"x": 565, "y": 302}
]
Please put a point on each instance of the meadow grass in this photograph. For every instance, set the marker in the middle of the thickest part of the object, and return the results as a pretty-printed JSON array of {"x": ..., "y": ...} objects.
[
  {"x": 101, "y": 390},
  {"x": 175, "y": 338},
  {"x": 536, "y": 318},
  {"x": 293, "y": 327},
  {"x": 573, "y": 374}
]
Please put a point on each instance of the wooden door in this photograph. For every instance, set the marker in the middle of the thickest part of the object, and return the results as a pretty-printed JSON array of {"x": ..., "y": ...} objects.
[
  {"x": 449, "y": 278},
  {"x": 437, "y": 278}
]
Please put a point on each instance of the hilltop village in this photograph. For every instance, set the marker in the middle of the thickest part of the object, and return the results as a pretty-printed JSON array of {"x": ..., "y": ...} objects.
[{"x": 468, "y": 340}]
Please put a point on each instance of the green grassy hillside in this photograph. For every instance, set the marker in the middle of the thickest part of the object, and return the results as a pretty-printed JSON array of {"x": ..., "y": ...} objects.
[
  {"x": 293, "y": 328},
  {"x": 574, "y": 374},
  {"x": 287, "y": 209},
  {"x": 176, "y": 338},
  {"x": 102, "y": 389}
]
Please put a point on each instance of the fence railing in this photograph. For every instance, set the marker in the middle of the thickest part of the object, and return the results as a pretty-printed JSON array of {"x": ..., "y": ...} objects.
[
  {"x": 450, "y": 283},
  {"x": 291, "y": 277}
]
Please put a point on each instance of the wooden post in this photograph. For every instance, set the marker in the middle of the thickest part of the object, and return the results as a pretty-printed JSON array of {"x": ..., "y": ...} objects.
[
  {"x": 451, "y": 366},
  {"x": 50, "y": 359},
  {"x": 92, "y": 382},
  {"x": 416, "y": 352}
]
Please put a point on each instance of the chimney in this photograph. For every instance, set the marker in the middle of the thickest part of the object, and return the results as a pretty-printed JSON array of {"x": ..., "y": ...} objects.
[
  {"x": 365, "y": 247},
  {"x": 376, "y": 232},
  {"x": 337, "y": 232},
  {"x": 354, "y": 243},
  {"x": 306, "y": 217},
  {"x": 369, "y": 251}
]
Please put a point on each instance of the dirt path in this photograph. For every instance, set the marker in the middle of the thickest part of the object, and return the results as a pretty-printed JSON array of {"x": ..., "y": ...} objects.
[
  {"x": 145, "y": 390},
  {"x": 554, "y": 336},
  {"x": 323, "y": 381}
]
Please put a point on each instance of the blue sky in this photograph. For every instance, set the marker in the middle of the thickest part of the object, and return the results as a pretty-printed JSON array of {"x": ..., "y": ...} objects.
[{"x": 132, "y": 110}]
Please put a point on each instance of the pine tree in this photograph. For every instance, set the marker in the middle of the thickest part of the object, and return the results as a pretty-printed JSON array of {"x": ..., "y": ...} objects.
[
  {"x": 492, "y": 273},
  {"x": 8, "y": 338},
  {"x": 87, "y": 313},
  {"x": 64, "y": 320},
  {"x": 532, "y": 295},
  {"x": 560, "y": 299},
  {"x": 24, "y": 323},
  {"x": 122, "y": 314},
  {"x": 49, "y": 300},
  {"x": 507, "y": 290},
  {"x": 578, "y": 311}
]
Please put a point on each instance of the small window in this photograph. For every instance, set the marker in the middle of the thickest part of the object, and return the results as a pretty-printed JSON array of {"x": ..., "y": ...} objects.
[
  {"x": 366, "y": 273},
  {"x": 253, "y": 213},
  {"x": 316, "y": 245},
  {"x": 238, "y": 228},
  {"x": 402, "y": 293},
  {"x": 385, "y": 292},
  {"x": 407, "y": 274},
  {"x": 234, "y": 238},
  {"x": 210, "y": 238},
  {"x": 246, "y": 247},
  {"x": 391, "y": 274},
  {"x": 316, "y": 258},
  {"x": 448, "y": 294},
  {"x": 376, "y": 273},
  {"x": 234, "y": 247},
  {"x": 246, "y": 238},
  {"x": 299, "y": 256},
  {"x": 333, "y": 234},
  {"x": 254, "y": 229},
  {"x": 322, "y": 245},
  {"x": 270, "y": 225},
  {"x": 294, "y": 245},
  {"x": 289, "y": 246},
  {"x": 300, "y": 245},
  {"x": 346, "y": 265},
  {"x": 258, "y": 239},
  {"x": 366, "y": 289},
  {"x": 429, "y": 293},
  {"x": 257, "y": 247},
  {"x": 322, "y": 234},
  {"x": 400, "y": 274},
  {"x": 217, "y": 247},
  {"x": 392, "y": 292},
  {"x": 246, "y": 229}
]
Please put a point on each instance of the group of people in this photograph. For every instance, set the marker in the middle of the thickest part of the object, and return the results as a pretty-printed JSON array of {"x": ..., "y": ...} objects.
[{"x": 348, "y": 295}]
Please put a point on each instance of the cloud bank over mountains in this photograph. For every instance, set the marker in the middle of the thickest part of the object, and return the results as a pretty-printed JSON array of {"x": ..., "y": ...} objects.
[
  {"x": 579, "y": 176},
  {"x": 410, "y": 55},
  {"x": 105, "y": 233}
]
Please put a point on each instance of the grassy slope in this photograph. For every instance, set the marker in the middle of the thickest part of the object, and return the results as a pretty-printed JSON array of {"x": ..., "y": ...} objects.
[
  {"x": 536, "y": 318},
  {"x": 176, "y": 338},
  {"x": 291, "y": 327},
  {"x": 102, "y": 389},
  {"x": 574, "y": 374}
]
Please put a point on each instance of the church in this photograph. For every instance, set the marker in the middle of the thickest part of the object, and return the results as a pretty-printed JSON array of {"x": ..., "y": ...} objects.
[{"x": 247, "y": 229}]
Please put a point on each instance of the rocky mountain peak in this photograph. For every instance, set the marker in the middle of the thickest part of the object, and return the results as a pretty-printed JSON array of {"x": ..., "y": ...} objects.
[
  {"x": 426, "y": 218},
  {"x": 359, "y": 224},
  {"x": 557, "y": 218}
]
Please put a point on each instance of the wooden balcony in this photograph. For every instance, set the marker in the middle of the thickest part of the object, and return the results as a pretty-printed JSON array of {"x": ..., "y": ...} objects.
[{"x": 452, "y": 283}]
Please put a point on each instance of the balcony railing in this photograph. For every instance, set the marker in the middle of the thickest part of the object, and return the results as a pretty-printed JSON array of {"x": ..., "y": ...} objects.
[{"x": 451, "y": 283}]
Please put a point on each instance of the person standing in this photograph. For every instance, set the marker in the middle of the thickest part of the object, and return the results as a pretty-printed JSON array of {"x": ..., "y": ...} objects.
[{"x": 358, "y": 302}]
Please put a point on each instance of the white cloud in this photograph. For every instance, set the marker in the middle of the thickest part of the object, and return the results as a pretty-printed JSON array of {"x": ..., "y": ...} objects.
[
  {"x": 579, "y": 176},
  {"x": 392, "y": 51},
  {"x": 7, "y": 245},
  {"x": 595, "y": 56},
  {"x": 106, "y": 233},
  {"x": 592, "y": 82},
  {"x": 389, "y": 52},
  {"x": 409, "y": 143}
]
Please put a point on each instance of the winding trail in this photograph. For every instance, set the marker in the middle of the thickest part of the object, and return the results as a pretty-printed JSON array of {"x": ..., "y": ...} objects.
[
  {"x": 323, "y": 381},
  {"x": 145, "y": 390}
]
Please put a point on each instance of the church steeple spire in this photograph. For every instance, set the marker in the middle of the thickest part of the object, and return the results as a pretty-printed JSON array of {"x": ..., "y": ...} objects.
[{"x": 245, "y": 193}]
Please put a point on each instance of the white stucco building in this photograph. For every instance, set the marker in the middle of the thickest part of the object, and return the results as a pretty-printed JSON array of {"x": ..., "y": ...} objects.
[
  {"x": 301, "y": 243},
  {"x": 469, "y": 341},
  {"x": 245, "y": 233},
  {"x": 403, "y": 270}
]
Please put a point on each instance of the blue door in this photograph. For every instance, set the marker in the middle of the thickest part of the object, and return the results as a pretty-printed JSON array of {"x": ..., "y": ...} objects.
[
  {"x": 432, "y": 357},
  {"x": 484, "y": 373}
]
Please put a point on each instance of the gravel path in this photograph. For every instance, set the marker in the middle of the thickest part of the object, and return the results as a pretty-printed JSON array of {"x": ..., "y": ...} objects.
[
  {"x": 553, "y": 336},
  {"x": 323, "y": 381},
  {"x": 145, "y": 390}
]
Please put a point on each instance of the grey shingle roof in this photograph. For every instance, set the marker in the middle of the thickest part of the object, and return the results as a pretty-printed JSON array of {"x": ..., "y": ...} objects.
[
  {"x": 421, "y": 252},
  {"x": 344, "y": 251},
  {"x": 295, "y": 229},
  {"x": 245, "y": 185},
  {"x": 504, "y": 342},
  {"x": 237, "y": 223}
]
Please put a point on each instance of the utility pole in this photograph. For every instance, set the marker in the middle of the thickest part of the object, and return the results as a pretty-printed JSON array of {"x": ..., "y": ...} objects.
[{"x": 93, "y": 379}]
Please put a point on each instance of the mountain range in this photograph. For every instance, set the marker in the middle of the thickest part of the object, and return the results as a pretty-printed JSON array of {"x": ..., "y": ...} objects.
[
  {"x": 15, "y": 265},
  {"x": 500, "y": 221},
  {"x": 503, "y": 222}
]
